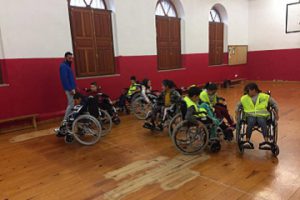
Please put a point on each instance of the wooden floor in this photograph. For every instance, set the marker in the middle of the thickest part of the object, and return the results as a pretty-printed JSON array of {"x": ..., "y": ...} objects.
[{"x": 132, "y": 163}]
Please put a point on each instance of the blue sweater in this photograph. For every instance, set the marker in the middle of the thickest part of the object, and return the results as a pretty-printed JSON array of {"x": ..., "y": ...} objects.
[{"x": 67, "y": 77}]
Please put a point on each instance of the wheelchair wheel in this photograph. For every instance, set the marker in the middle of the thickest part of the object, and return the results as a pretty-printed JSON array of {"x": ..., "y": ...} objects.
[
  {"x": 69, "y": 139},
  {"x": 141, "y": 108},
  {"x": 275, "y": 150},
  {"x": 105, "y": 122},
  {"x": 240, "y": 133},
  {"x": 215, "y": 146},
  {"x": 174, "y": 122},
  {"x": 86, "y": 130},
  {"x": 190, "y": 139}
]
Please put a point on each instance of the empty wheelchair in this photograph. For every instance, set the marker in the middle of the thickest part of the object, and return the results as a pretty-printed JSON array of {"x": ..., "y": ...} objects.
[
  {"x": 272, "y": 135},
  {"x": 81, "y": 126}
]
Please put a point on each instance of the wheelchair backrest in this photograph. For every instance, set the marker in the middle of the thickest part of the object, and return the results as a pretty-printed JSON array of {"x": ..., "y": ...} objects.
[
  {"x": 92, "y": 106},
  {"x": 183, "y": 109}
]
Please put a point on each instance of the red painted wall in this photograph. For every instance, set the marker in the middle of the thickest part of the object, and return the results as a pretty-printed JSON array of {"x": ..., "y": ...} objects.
[
  {"x": 34, "y": 85},
  {"x": 274, "y": 65}
]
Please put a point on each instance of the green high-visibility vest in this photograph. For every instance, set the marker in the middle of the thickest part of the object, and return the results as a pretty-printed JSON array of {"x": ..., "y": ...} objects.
[
  {"x": 260, "y": 107},
  {"x": 190, "y": 103},
  {"x": 205, "y": 98},
  {"x": 132, "y": 89}
]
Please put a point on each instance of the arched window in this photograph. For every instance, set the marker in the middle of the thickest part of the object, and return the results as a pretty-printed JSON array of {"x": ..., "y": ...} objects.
[
  {"x": 100, "y": 4},
  {"x": 214, "y": 16},
  {"x": 216, "y": 38},
  {"x": 91, "y": 28},
  {"x": 166, "y": 8},
  {"x": 168, "y": 36}
]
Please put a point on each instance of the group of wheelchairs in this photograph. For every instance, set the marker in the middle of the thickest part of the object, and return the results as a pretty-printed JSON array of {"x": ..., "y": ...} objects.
[
  {"x": 89, "y": 121},
  {"x": 192, "y": 138}
]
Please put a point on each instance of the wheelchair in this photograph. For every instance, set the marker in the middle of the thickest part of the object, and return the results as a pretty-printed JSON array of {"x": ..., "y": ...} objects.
[
  {"x": 84, "y": 128},
  {"x": 141, "y": 106},
  {"x": 272, "y": 135},
  {"x": 190, "y": 138},
  {"x": 163, "y": 117}
]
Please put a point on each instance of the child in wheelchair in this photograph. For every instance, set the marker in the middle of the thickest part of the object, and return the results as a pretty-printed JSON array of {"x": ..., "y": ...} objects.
[
  {"x": 256, "y": 106},
  {"x": 201, "y": 111},
  {"x": 82, "y": 106},
  {"x": 166, "y": 104},
  {"x": 128, "y": 94},
  {"x": 218, "y": 104},
  {"x": 104, "y": 101}
]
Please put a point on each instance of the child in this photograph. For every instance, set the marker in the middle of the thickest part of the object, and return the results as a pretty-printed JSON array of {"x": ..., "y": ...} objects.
[
  {"x": 169, "y": 98},
  {"x": 146, "y": 87},
  {"x": 134, "y": 86},
  {"x": 78, "y": 100},
  {"x": 255, "y": 105},
  {"x": 209, "y": 96},
  {"x": 104, "y": 101},
  {"x": 197, "y": 110},
  {"x": 128, "y": 94}
]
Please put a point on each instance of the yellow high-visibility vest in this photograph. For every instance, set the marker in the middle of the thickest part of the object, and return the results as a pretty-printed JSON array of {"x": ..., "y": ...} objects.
[
  {"x": 200, "y": 112},
  {"x": 132, "y": 89},
  {"x": 205, "y": 98},
  {"x": 260, "y": 109}
]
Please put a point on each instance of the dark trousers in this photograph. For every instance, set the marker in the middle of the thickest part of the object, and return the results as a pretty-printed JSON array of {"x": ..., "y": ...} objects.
[
  {"x": 261, "y": 121},
  {"x": 222, "y": 112}
]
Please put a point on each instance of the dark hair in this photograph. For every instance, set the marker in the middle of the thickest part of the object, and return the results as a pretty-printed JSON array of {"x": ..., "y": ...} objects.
[
  {"x": 68, "y": 53},
  {"x": 211, "y": 86},
  {"x": 168, "y": 83},
  {"x": 78, "y": 96},
  {"x": 194, "y": 91},
  {"x": 133, "y": 78},
  {"x": 145, "y": 82},
  {"x": 94, "y": 83},
  {"x": 251, "y": 86}
]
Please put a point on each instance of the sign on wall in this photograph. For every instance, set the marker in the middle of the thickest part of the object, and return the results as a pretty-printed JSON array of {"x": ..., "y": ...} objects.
[
  {"x": 237, "y": 54},
  {"x": 292, "y": 18}
]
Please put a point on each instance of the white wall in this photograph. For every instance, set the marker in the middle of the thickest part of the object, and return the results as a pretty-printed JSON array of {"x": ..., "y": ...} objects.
[
  {"x": 39, "y": 29},
  {"x": 267, "y": 26},
  {"x": 33, "y": 28}
]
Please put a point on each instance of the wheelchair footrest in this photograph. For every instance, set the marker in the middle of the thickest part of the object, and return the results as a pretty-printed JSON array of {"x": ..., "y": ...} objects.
[
  {"x": 265, "y": 146},
  {"x": 247, "y": 145}
]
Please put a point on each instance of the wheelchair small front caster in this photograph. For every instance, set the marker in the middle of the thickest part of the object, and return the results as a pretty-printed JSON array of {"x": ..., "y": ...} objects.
[
  {"x": 241, "y": 148},
  {"x": 215, "y": 147},
  {"x": 116, "y": 120},
  {"x": 69, "y": 139},
  {"x": 275, "y": 150}
]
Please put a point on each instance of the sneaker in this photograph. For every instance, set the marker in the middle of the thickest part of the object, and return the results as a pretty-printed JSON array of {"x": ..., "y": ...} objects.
[
  {"x": 147, "y": 125},
  {"x": 58, "y": 133}
]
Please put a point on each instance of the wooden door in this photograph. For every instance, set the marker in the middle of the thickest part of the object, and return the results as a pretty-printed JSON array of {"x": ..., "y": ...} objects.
[
  {"x": 104, "y": 42},
  {"x": 216, "y": 43},
  {"x": 92, "y": 41},
  {"x": 168, "y": 42}
]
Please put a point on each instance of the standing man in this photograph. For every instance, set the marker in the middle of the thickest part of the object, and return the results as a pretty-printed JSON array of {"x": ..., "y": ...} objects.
[{"x": 68, "y": 81}]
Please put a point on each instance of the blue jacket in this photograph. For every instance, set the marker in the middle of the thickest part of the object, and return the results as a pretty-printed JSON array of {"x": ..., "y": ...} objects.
[{"x": 67, "y": 77}]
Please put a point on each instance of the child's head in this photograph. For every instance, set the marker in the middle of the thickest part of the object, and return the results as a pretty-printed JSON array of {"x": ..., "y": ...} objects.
[
  {"x": 194, "y": 93},
  {"x": 133, "y": 79},
  {"x": 77, "y": 98},
  {"x": 147, "y": 83},
  {"x": 252, "y": 89},
  {"x": 167, "y": 85},
  {"x": 211, "y": 88},
  {"x": 94, "y": 87}
]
